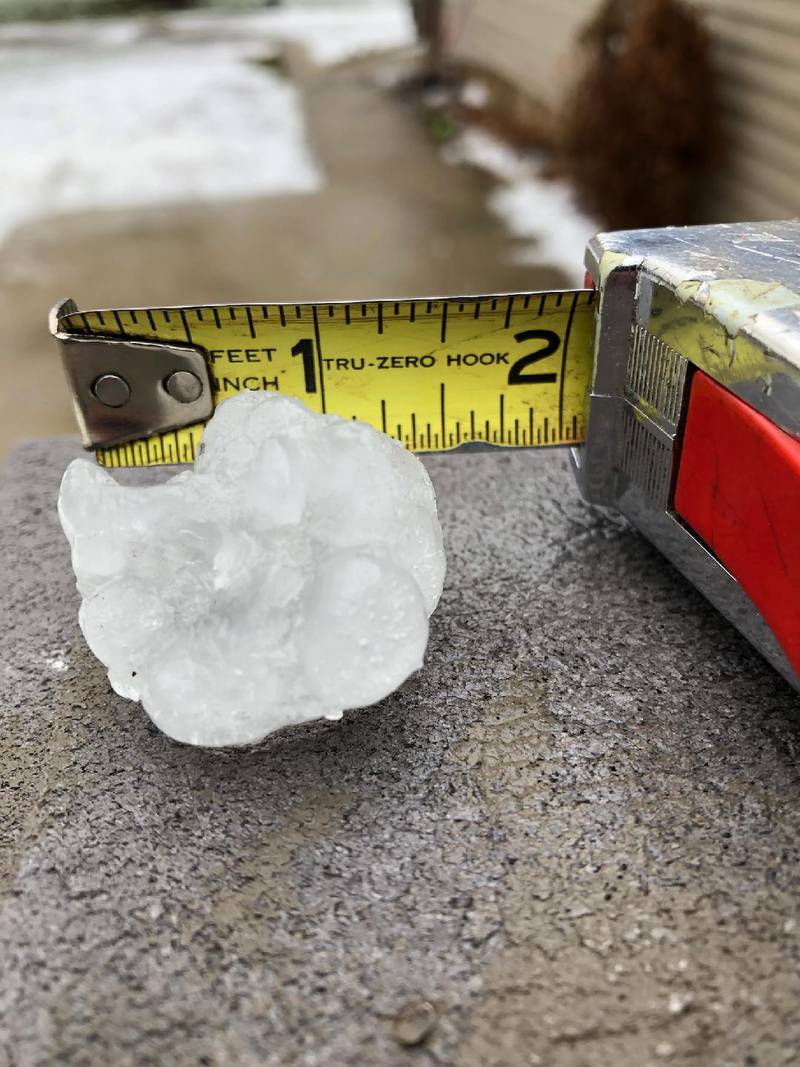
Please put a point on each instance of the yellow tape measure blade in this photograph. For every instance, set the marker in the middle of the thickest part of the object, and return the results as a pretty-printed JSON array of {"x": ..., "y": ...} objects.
[{"x": 511, "y": 370}]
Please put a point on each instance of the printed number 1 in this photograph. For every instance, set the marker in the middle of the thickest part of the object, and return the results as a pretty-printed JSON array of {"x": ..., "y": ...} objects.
[{"x": 305, "y": 348}]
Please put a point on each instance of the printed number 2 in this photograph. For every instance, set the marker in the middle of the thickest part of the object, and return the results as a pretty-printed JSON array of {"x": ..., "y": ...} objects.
[
  {"x": 305, "y": 348},
  {"x": 551, "y": 343}
]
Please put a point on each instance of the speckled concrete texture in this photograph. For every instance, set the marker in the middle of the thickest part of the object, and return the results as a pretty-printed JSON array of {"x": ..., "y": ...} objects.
[{"x": 572, "y": 839}]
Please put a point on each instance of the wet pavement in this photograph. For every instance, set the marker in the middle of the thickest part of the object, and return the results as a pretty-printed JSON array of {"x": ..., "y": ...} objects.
[
  {"x": 572, "y": 839},
  {"x": 391, "y": 220}
]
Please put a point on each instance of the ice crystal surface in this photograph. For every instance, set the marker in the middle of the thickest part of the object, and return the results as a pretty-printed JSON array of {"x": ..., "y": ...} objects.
[{"x": 288, "y": 576}]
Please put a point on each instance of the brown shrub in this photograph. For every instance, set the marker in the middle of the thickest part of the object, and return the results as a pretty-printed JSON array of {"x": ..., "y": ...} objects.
[{"x": 640, "y": 126}]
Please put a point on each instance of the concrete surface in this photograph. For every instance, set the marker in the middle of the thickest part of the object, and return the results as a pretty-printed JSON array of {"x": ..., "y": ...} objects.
[
  {"x": 393, "y": 220},
  {"x": 572, "y": 839}
]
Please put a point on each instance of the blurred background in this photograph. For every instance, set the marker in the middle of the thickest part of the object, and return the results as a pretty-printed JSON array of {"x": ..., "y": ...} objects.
[{"x": 177, "y": 153}]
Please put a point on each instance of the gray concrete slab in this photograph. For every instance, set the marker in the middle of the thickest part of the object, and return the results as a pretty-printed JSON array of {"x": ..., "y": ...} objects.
[{"x": 571, "y": 839}]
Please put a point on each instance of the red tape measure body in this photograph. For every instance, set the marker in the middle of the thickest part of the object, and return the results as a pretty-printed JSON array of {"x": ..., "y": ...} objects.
[{"x": 738, "y": 488}]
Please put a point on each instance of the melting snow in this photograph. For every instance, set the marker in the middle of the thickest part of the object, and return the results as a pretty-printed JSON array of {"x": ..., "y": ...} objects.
[
  {"x": 540, "y": 212},
  {"x": 123, "y": 112},
  {"x": 56, "y": 661}
]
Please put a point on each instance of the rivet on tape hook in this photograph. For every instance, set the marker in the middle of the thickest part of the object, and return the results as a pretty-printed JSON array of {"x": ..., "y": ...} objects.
[{"x": 125, "y": 390}]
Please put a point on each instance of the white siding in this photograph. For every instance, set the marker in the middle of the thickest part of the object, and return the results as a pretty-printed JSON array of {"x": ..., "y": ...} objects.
[
  {"x": 757, "y": 58},
  {"x": 527, "y": 42}
]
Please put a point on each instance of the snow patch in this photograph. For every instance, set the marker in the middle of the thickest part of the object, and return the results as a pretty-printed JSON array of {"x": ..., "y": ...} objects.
[
  {"x": 57, "y": 661},
  {"x": 329, "y": 32},
  {"x": 540, "y": 212},
  {"x": 117, "y": 113}
]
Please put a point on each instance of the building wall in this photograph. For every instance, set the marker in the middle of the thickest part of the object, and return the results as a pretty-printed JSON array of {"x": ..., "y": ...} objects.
[
  {"x": 527, "y": 42},
  {"x": 530, "y": 43}
]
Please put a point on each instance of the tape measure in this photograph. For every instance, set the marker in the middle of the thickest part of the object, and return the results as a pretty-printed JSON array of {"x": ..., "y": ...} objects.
[
  {"x": 676, "y": 382},
  {"x": 511, "y": 370}
]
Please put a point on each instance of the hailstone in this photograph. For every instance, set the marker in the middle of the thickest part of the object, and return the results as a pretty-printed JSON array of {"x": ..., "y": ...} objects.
[{"x": 290, "y": 575}]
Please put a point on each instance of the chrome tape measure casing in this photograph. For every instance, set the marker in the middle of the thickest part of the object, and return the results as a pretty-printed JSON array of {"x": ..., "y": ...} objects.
[{"x": 719, "y": 299}]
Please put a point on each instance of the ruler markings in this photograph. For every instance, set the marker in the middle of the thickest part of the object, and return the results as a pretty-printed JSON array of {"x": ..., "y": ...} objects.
[
  {"x": 509, "y": 306},
  {"x": 475, "y": 367},
  {"x": 564, "y": 351},
  {"x": 320, "y": 370}
]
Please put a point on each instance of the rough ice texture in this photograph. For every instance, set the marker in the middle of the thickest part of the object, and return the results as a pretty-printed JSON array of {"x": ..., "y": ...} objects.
[{"x": 289, "y": 576}]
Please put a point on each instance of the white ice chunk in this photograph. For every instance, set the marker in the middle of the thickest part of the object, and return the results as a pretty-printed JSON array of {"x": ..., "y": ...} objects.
[{"x": 289, "y": 576}]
